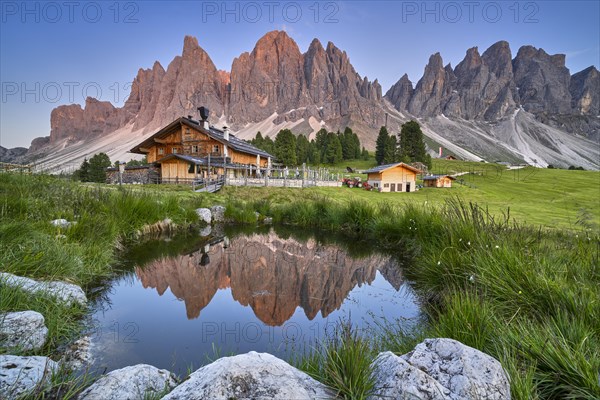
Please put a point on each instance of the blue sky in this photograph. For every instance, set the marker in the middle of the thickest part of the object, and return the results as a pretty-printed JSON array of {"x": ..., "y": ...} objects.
[{"x": 54, "y": 53}]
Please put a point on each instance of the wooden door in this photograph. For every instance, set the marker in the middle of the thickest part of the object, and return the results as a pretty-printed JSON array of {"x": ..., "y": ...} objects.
[{"x": 392, "y": 187}]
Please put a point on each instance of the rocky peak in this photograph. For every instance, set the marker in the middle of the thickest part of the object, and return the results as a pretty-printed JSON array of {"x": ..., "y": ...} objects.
[
  {"x": 543, "y": 81},
  {"x": 585, "y": 91},
  {"x": 315, "y": 64},
  {"x": 472, "y": 59},
  {"x": 190, "y": 45},
  {"x": 498, "y": 58},
  {"x": 266, "y": 81},
  {"x": 400, "y": 93},
  {"x": 190, "y": 79},
  {"x": 145, "y": 91},
  {"x": 430, "y": 89}
]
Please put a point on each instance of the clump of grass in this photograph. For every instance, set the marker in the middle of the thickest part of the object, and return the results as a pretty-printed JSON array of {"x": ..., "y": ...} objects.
[
  {"x": 468, "y": 318},
  {"x": 62, "y": 321},
  {"x": 342, "y": 362},
  {"x": 240, "y": 212}
]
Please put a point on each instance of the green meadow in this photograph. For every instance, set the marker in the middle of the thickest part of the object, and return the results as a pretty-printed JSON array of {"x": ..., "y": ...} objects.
[{"x": 552, "y": 198}]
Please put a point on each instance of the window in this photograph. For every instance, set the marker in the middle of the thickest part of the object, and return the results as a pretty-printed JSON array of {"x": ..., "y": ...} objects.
[
  {"x": 194, "y": 149},
  {"x": 216, "y": 148},
  {"x": 376, "y": 185},
  {"x": 174, "y": 150},
  {"x": 161, "y": 150},
  {"x": 192, "y": 169},
  {"x": 386, "y": 185}
]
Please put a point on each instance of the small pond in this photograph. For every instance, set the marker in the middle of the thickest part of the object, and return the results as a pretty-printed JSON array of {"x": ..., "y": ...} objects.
[{"x": 185, "y": 300}]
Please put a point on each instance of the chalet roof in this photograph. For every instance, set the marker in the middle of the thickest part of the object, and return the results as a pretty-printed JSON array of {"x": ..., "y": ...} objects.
[
  {"x": 233, "y": 143},
  {"x": 436, "y": 177},
  {"x": 381, "y": 168}
]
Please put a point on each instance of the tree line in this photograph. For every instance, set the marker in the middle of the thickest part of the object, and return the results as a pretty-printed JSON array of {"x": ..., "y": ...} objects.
[
  {"x": 94, "y": 170},
  {"x": 408, "y": 146},
  {"x": 325, "y": 148}
]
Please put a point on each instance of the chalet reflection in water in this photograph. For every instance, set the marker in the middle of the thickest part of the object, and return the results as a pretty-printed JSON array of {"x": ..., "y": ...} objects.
[{"x": 270, "y": 274}]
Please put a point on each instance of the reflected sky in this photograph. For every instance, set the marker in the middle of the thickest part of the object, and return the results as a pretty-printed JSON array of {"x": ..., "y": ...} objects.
[{"x": 185, "y": 301}]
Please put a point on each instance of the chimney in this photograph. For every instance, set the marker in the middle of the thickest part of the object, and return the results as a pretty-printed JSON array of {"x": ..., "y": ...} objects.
[
  {"x": 226, "y": 133},
  {"x": 204, "y": 117}
]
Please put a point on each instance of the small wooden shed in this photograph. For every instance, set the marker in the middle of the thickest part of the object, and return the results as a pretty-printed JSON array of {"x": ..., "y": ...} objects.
[
  {"x": 397, "y": 177},
  {"x": 438, "y": 181}
]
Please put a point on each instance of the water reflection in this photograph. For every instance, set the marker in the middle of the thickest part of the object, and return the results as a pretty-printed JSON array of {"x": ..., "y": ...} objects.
[
  {"x": 271, "y": 274},
  {"x": 182, "y": 299}
]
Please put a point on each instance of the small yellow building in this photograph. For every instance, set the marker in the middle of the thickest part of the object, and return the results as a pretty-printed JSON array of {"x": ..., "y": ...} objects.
[
  {"x": 438, "y": 181},
  {"x": 397, "y": 177},
  {"x": 189, "y": 149}
]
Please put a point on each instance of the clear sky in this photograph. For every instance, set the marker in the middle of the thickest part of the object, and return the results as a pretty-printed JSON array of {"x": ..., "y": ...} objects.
[{"x": 57, "y": 52}]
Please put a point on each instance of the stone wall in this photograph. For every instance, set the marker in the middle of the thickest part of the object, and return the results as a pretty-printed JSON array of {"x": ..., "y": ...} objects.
[{"x": 136, "y": 175}]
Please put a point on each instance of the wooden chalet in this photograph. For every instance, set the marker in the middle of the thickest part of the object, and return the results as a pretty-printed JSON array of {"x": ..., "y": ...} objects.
[
  {"x": 438, "y": 181},
  {"x": 188, "y": 149},
  {"x": 397, "y": 177}
]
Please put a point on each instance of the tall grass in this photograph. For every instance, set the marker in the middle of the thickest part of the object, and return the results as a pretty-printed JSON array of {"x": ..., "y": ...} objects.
[{"x": 342, "y": 362}]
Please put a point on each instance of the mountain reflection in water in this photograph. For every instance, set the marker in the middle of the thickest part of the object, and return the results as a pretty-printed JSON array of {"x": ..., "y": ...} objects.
[{"x": 270, "y": 274}]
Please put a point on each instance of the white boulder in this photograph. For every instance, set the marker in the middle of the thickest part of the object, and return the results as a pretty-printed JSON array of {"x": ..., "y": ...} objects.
[
  {"x": 464, "y": 372},
  {"x": 134, "y": 382},
  {"x": 62, "y": 291},
  {"x": 21, "y": 375},
  {"x": 218, "y": 213},
  {"x": 467, "y": 372},
  {"x": 24, "y": 330},
  {"x": 204, "y": 214},
  {"x": 206, "y": 231},
  {"x": 253, "y": 375},
  {"x": 78, "y": 355},
  {"x": 397, "y": 379}
]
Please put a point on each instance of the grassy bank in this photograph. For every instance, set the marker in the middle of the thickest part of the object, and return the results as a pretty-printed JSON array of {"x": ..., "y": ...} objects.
[{"x": 83, "y": 253}]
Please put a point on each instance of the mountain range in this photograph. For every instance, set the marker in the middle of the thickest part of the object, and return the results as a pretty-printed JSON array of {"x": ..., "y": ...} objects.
[{"x": 491, "y": 106}]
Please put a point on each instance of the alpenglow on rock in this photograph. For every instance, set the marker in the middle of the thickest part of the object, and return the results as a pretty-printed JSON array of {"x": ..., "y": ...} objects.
[
  {"x": 259, "y": 376},
  {"x": 478, "y": 110}
]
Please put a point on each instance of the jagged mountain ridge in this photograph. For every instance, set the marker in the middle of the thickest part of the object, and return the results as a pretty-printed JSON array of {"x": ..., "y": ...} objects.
[
  {"x": 492, "y": 86},
  {"x": 277, "y": 86}
]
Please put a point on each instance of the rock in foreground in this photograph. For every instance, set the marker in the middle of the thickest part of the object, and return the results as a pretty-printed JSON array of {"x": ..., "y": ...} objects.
[
  {"x": 135, "y": 382},
  {"x": 24, "y": 330},
  {"x": 441, "y": 369},
  {"x": 21, "y": 375},
  {"x": 205, "y": 215},
  {"x": 62, "y": 291},
  {"x": 250, "y": 376},
  {"x": 397, "y": 379}
]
